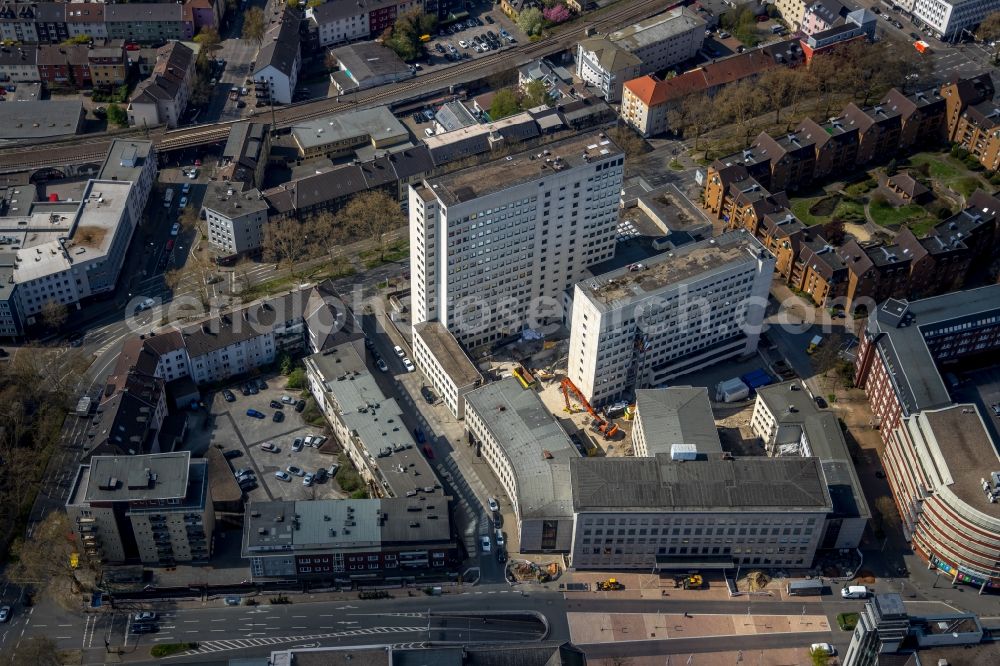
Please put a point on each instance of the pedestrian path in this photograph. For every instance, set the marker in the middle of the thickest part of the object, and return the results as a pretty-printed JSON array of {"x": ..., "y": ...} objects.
[{"x": 205, "y": 647}]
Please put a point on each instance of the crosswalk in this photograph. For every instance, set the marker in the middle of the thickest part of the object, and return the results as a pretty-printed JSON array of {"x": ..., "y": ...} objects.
[{"x": 206, "y": 647}]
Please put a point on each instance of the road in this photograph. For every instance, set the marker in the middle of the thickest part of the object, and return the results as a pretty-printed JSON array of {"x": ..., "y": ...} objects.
[{"x": 621, "y": 13}]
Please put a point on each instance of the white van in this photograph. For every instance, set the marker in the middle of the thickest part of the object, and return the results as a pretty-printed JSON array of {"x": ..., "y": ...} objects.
[{"x": 854, "y": 592}]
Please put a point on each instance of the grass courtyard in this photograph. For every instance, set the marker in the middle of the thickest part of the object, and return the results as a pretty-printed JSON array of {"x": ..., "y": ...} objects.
[
  {"x": 950, "y": 172},
  {"x": 824, "y": 208}
]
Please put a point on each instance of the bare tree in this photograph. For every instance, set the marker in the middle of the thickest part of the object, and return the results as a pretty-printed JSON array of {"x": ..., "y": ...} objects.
[
  {"x": 740, "y": 104},
  {"x": 373, "y": 214},
  {"x": 45, "y": 557},
  {"x": 54, "y": 314},
  {"x": 285, "y": 242},
  {"x": 253, "y": 26},
  {"x": 779, "y": 86},
  {"x": 628, "y": 140},
  {"x": 39, "y": 651},
  {"x": 700, "y": 109}
]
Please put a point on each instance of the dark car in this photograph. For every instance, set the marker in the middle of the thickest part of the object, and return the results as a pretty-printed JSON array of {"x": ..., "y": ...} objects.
[
  {"x": 914, "y": 35},
  {"x": 501, "y": 555},
  {"x": 143, "y": 628},
  {"x": 321, "y": 475},
  {"x": 234, "y": 453},
  {"x": 820, "y": 402},
  {"x": 300, "y": 405},
  {"x": 245, "y": 389},
  {"x": 278, "y": 417},
  {"x": 252, "y": 387},
  {"x": 255, "y": 414},
  {"x": 489, "y": 19},
  {"x": 261, "y": 384},
  {"x": 439, "y": 48},
  {"x": 276, "y": 405},
  {"x": 428, "y": 395},
  {"x": 879, "y": 474},
  {"x": 419, "y": 434},
  {"x": 228, "y": 395}
]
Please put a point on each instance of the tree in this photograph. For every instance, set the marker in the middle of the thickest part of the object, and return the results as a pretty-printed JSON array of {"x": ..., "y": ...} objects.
[
  {"x": 253, "y": 26},
  {"x": 989, "y": 28},
  {"x": 531, "y": 21},
  {"x": 78, "y": 39},
  {"x": 557, "y": 14},
  {"x": 740, "y": 104},
  {"x": 404, "y": 36},
  {"x": 697, "y": 112},
  {"x": 888, "y": 516},
  {"x": 780, "y": 87},
  {"x": 44, "y": 557},
  {"x": 373, "y": 214},
  {"x": 505, "y": 103},
  {"x": 39, "y": 651},
  {"x": 833, "y": 232},
  {"x": 631, "y": 143},
  {"x": 54, "y": 314},
  {"x": 117, "y": 115},
  {"x": 209, "y": 40},
  {"x": 284, "y": 242},
  {"x": 535, "y": 94}
]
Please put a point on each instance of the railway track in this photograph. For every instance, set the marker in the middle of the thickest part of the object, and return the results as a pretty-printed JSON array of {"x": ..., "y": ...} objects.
[{"x": 77, "y": 151}]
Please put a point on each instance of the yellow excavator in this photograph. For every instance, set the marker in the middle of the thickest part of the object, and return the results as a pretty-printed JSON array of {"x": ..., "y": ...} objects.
[{"x": 609, "y": 585}]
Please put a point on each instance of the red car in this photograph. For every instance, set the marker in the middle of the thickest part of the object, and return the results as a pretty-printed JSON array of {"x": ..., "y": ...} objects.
[
  {"x": 131, "y": 47},
  {"x": 197, "y": 162},
  {"x": 428, "y": 452},
  {"x": 170, "y": 245}
]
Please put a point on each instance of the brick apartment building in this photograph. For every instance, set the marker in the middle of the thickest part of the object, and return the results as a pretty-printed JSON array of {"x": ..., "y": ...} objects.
[
  {"x": 746, "y": 190},
  {"x": 939, "y": 456}
]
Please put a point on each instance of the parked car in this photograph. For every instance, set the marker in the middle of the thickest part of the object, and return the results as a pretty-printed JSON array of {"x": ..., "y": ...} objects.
[
  {"x": 255, "y": 414},
  {"x": 485, "y": 544},
  {"x": 146, "y": 304},
  {"x": 494, "y": 506},
  {"x": 318, "y": 441},
  {"x": 332, "y": 470},
  {"x": 282, "y": 476},
  {"x": 380, "y": 364},
  {"x": 300, "y": 405},
  {"x": 408, "y": 364},
  {"x": 419, "y": 435},
  {"x": 261, "y": 384},
  {"x": 307, "y": 480},
  {"x": 823, "y": 649},
  {"x": 228, "y": 395},
  {"x": 295, "y": 471},
  {"x": 489, "y": 19},
  {"x": 269, "y": 446},
  {"x": 232, "y": 453},
  {"x": 499, "y": 538},
  {"x": 321, "y": 475},
  {"x": 274, "y": 404},
  {"x": 288, "y": 400},
  {"x": 820, "y": 402},
  {"x": 428, "y": 395},
  {"x": 309, "y": 440},
  {"x": 243, "y": 472},
  {"x": 429, "y": 452},
  {"x": 5, "y": 613},
  {"x": 278, "y": 417},
  {"x": 247, "y": 484},
  {"x": 183, "y": 203},
  {"x": 175, "y": 229}
]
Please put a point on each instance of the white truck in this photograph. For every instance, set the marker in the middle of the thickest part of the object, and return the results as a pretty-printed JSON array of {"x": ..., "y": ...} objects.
[
  {"x": 854, "y": 592},
  {"x": 731, "y": 390}
]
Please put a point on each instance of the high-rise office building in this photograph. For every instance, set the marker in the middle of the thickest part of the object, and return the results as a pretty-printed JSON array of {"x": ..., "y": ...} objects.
[{"x": 494, "y": 247}]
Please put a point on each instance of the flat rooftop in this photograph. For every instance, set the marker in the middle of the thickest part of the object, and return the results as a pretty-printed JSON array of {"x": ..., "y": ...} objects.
[
  {"x": 449, "y": 353},
  {"x": 125, "y": 159},
  {"x": 377, "y": 123},
  {"x": 513, "y": 170},
  {"x": 786, "y": 485},
  {"x": 377, "y": 420},
  {"x": 89, "y": 225},
  {"x": 631, "y": 283},
  {"x": 229, "y": 200},
  {"x": 157, "y": 476},
  {"x": 535, "y": 444},
  {"x": 900, "y": 329},
  {"x": 966, "y": 454},
  {"x": 656, "y": 29},
  {"x": 321, "y": 525}
]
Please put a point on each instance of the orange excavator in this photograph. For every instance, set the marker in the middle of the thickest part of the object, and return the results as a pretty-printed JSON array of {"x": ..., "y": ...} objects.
[{"x": 599, "y": 424}]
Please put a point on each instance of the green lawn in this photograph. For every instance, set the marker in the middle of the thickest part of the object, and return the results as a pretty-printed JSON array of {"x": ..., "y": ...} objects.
[
  {"x": 950, "y": 172},
  {"x": 397, "y": 251},
  {"x": 913, "y": 216},
  {"x": 811, "y": 209}
]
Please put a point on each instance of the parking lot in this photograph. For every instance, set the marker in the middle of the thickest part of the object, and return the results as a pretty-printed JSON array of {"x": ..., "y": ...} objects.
[
  {"x": 265, "y": 446},
  {"x": 472, "y": 38}
]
